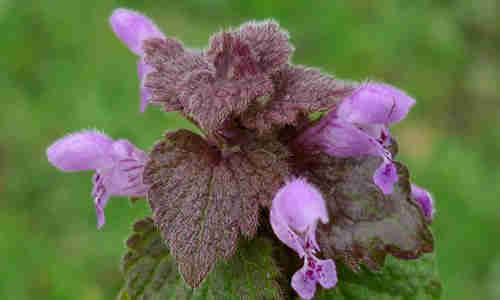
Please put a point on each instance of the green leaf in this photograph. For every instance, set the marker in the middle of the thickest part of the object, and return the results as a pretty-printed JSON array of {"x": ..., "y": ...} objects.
[
  {"x": 150, "y": 272},
  {"x": 398, "y": 280}
]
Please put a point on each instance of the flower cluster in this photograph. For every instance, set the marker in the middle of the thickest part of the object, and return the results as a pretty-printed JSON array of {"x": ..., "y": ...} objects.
[
  {"x": 259, "y": 149},
  {"x": 360, "y": 127}
]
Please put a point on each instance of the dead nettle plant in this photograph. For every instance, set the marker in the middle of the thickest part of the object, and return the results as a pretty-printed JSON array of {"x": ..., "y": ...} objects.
[{"x": 267, "y": 202}]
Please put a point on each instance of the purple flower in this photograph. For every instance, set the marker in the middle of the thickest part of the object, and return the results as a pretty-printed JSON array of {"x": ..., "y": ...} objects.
[
  {"x": 375, "y": 104},
  {"x": 118, "y": 165},
  {"x": 133, "y": 29},
  {"x": 425, "y": 200},
  {"x": 295, "y": 211},
  {"x": 360, "y": 127}
]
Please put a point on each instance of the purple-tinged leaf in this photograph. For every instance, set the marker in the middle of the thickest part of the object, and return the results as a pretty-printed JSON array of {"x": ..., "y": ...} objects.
[
  {"x": 297, "y": 90},
  {"x": 268, "y": 42},
  {"x": 210, "y": 102},
  {"x": 366, "y": 225},
  {"x": 255, "y": 47},
  {"x": 232, "y": 57},
  {"x": 304, "y": 89},
  {"x": 203, "y": 198},
  {"x": 204, "y": 92},
  {"x": 169, "y": 63}
]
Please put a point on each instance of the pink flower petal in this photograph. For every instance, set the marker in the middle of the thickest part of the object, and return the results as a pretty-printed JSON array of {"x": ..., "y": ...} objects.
[
  {"x": 337, "y": 138},
  {"x": 304, "y": 282},
  {"x": 124, "y": 149},
  {"x": 285, "y": 234},
  {"x": 386, "y": 176},
  {"x": 314, "y": 271},
  {"x": 133, "y": 28},
  {"x": 326, "y": 273},
  {"x": 81, "y": 151},
  {"x": 425, "y": 200},
  {"x": 118, "y": 165},
  {"x": 343, "y": 139},
  {"x": 375, "y": 103},
  {"x": 101, "y": 197},
  {"x": 300, "y": 204},
  {"x": 143, "y": 70}
]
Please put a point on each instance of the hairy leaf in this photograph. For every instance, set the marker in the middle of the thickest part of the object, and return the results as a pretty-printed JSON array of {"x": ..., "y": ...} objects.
[
  {"x": 168, "y": 60},
  {"x": 221, "y": 83},
  {"x": 397, "y": 280},
  {"x": 366, "y": 225},
  {"x": 297, "y": 90},
  {"x": 203, "y": 197},
  {"x": 208, "y": 92},
  {"x": 251, "y": 274},
  {"x": 150, "y": 272},
  {"x": 232, "y": 57},
  {"x": 211, "y": 101},
  {"x": 261, "y": 47}
]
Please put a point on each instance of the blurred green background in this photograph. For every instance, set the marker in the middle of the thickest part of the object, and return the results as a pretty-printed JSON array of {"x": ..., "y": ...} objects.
[{"x": 63, "y": 70}]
